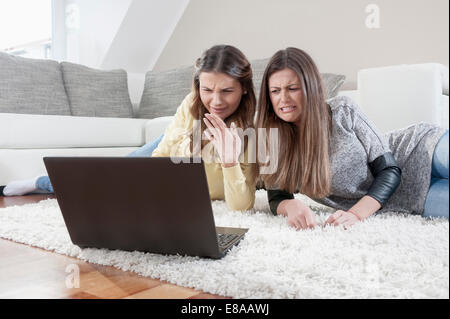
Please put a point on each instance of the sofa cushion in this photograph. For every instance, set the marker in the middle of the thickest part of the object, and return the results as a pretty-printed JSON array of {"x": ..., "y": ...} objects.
[
  {"x": 31, "y": 86},
  {"x": 96, "y": 93},
  {"x": 155, "y": 127},
  {"x": 332, "y": 83},
  {"x": 164, "y": 91},
  {"x": 22, "y": 131}
]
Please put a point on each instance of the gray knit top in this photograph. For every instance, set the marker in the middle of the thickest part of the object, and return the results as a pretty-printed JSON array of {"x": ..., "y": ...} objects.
[{"x": 355, "y": 142}]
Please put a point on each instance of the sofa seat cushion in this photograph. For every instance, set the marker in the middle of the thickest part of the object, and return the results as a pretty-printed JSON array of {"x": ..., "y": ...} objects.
[
  {"x": 155, "y": 127},
  {"x": 96, "y": 93},
  {"x": 31, "y": 86},
  {"x": 21, "y": 131}
]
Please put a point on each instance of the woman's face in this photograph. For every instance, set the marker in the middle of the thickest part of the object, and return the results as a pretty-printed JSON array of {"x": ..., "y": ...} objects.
[
  {"x": 220, "y": 93},
  {"x": 286, "y": 95}
]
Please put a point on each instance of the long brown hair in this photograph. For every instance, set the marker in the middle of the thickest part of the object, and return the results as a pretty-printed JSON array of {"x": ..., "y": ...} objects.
[
  {"x": 231, "y": 61},
  {"x": 303, "y": 158}
]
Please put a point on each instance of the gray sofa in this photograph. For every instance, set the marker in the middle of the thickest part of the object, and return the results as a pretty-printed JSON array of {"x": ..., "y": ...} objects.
[{"x": 65, "y": 109}]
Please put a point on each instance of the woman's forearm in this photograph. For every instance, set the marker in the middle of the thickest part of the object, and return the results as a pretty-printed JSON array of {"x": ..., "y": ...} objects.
[
  {"x": 287, "y": 204},
  {"x": 281, "y": 208},
  {"x": 365, "y": 207},
  {"x": 276, "y": 198},
  {"x": 239, "y": 186}
]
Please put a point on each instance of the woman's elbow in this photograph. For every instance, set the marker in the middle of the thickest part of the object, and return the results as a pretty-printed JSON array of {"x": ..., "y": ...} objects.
[{"x": 242, "y": 205}]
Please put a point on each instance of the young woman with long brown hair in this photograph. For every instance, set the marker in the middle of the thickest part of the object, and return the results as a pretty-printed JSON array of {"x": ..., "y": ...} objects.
[
  {"x": 331, "y": 152},
  {"x": 222, "y": 99}
]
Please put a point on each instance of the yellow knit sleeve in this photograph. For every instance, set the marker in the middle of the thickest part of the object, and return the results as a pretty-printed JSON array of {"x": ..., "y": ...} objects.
[
  {"x": 240, "y": 185},
  {"x": 239, "y": 181},
  {"x": 176, "y": 140}
]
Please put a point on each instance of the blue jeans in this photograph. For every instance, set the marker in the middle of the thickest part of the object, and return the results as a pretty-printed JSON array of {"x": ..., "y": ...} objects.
[
  {"x": 43, "y": 183},
  {"x": 436, "y": 204}
]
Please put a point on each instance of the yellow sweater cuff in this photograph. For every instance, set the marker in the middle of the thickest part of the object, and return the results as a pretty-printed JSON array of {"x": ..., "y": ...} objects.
[{"x": 233, "y": 173}]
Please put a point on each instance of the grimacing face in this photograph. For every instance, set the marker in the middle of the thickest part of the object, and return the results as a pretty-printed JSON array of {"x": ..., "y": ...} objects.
[
  {"x": 220, "y": 93},
  {"x": 286, "y": 95}
]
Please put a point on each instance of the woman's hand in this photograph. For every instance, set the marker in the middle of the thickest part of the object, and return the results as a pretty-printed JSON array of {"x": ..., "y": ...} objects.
[
  {"x": 226, "y": 140},
  {"x": 344, "y": 218},
  {"x": 298, "y": 214}
]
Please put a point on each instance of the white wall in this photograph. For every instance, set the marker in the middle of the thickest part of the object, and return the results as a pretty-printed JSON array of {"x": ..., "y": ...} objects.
[
  {"x": 143, "y": 34},
  {"x": 333, "y": 32},
  {"x": 140, "y": 35},
  {"x": 59, "y": 40},
  {"x": 92, "y": 28},
  {"x": 108, "y": 34},
  {"x": 115, "y": 34}
]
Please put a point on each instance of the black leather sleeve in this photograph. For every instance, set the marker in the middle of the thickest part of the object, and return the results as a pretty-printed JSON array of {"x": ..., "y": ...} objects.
[
  {"x": 387, "y": 177},
  {"x": 275, "y": 197}
]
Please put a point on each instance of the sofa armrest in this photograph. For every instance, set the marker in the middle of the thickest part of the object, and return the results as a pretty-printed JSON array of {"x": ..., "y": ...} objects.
[
  {"x": 397, "y": 96},
  {"x": 155, "y": 127}
]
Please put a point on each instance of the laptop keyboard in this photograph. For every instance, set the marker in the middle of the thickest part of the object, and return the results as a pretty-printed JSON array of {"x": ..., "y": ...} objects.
[{"x": 225, "y": 239}]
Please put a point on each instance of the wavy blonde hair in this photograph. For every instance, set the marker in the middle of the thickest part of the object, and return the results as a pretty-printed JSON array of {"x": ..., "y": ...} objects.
[{"x": 303, "y": 158}]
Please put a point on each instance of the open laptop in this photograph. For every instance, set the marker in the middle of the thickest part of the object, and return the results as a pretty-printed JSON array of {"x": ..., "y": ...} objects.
[{"x": 148, "y": 204}]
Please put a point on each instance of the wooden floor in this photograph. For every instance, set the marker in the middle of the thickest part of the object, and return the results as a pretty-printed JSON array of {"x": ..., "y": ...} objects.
[{"x": 29, "y": 272}]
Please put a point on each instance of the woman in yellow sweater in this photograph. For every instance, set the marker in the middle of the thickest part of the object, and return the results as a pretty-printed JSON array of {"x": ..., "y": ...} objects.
[{"x": 222, "y": 99}]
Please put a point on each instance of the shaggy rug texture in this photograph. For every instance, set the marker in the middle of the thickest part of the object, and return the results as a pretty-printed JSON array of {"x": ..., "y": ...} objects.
[{"x": 387, "y": 256}]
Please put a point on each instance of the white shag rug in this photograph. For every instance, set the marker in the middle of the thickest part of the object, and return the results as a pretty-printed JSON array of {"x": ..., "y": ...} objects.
[{"x": 387, "y": 256}]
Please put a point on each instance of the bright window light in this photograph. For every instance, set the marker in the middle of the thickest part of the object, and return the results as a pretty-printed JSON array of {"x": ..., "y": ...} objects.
[{"x": 26, "y": 27}]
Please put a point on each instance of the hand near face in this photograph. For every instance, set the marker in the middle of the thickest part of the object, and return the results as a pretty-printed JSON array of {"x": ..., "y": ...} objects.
[
  {"x": 343, "y": 218},
  {"x": 226, "y": 140}
]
